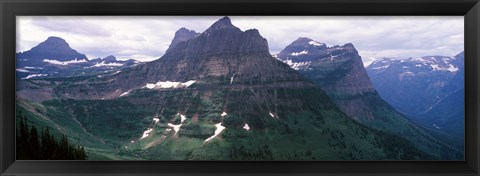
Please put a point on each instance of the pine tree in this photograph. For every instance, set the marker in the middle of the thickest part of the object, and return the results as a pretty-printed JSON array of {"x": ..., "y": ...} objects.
[
  {"x": 34, "y": 147},
  {"x": 31, "y": 146}
]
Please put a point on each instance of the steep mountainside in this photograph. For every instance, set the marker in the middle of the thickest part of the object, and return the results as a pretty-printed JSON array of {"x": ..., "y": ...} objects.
[
  {"x": 218, "y": 96},
  {"x": 429, "y": 89}
]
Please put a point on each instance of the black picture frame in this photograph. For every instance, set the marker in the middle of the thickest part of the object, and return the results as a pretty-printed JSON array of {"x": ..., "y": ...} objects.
[{"x": 9, "y": 9}]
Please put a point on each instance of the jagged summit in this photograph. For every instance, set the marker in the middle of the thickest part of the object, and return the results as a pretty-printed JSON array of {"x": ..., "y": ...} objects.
[
  {"x": 224, "y": 22},
  {"x": 222, "y": 38},
  {"x": 221, "y": 50},
  {"x": 183, "y": 34}
]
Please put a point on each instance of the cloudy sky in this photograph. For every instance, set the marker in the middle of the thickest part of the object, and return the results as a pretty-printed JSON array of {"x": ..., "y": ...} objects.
[{"x": 146, "y": 38}]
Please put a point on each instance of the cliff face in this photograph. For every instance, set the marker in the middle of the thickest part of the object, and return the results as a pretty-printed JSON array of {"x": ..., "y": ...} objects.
[{"x": 338, "y": 70}]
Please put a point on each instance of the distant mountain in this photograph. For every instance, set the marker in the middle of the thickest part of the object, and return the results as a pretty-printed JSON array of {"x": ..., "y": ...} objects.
[
  {"x": 55, "y": 58},
  {"x": 428, "y": 89},
  {"x": 182, "y": 35},
  {"x": 111, "y": 62},
  {"x": 218, "y": 96},
  {"x": 340, "y": 72},
  {"x": 52, "y": 49}
]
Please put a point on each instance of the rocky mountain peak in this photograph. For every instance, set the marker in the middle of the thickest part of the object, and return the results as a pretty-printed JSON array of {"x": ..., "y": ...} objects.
[
  {"x": 183, "y": 34},
  {"x": 53, "y": 43},
  {"x": 109, "y": 59},
  {"x": 52, "y": 40},
  {"x": 54, "y": 48},
  {"x": 224, "y": 22},
  {"x": 222, "y": 38},
  {"x": 300, "y": 50}
]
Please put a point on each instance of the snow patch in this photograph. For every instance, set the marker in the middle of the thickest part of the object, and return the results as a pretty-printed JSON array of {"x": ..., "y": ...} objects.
[
  {"x": 103, "y": 64},
  {"x": 219, "y": 129},
  {"x": 33, "y": 68},
  {"x": 315, "y": 43},
  {"x": 125, "y": 93},
  {"x": 422, "y": 60},
  {"x": 450, "y": 68},
  {"x": 418, "y": 65},
  {"x": 56, "y": 62},
  {"x": 168, "y": 84},
  {"x": 223, "y": 114},
  {"x": 246, "y": 127},
  {"x": 156, "y": 120},
  {"x": 182, "y": 117},
  {"x": 231, "y": 79},
  {"x": 176, "y": 128},
  {"x": 147, "y": 133},
  {"x": 188, "y": 83},
  {"x": 22, "y": 70},
  {"x": 381, "y": 67},
  {"x": 297, "y": 65},
  {"x": 150, "y": 86},
  {"x": 35, "y": 75},
  {"x": 300, "y": 53}
]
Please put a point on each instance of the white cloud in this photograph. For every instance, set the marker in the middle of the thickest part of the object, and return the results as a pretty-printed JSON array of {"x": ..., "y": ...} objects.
[{"x": 147, "y": 38}]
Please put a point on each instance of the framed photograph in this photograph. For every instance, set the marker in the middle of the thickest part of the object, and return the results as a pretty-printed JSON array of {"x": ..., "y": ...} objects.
[{"x": 239, "y": 88}]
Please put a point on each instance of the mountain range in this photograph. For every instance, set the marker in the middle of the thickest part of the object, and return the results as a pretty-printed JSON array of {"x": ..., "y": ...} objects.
[
  {"x": 340, "y": 72},
  {"x": 220, "y": 95},
  {"x": 55, "y": 58},
  {"x": 429, "y": 89}
]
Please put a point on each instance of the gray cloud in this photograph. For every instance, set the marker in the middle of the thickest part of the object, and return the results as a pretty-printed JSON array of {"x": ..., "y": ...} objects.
[{"x": 71, "y": 25}]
